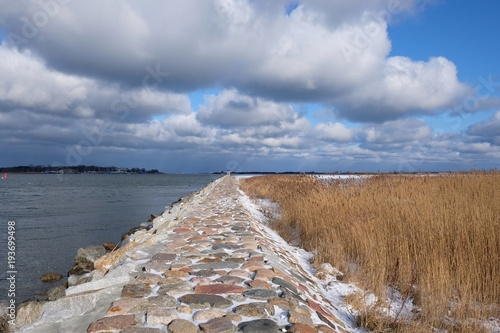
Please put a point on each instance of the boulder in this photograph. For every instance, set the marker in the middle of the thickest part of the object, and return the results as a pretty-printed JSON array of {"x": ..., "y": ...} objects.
[
  {"x": 51, "y": 277},
  {"x": 86, "y": 256}
]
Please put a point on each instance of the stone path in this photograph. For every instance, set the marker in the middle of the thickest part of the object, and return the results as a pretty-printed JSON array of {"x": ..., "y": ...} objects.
[{"x": 216, "y": 270}]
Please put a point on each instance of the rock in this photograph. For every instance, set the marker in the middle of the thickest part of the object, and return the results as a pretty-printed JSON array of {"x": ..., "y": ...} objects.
[
  {"x": 209, "y": 314},
  {"x": 184, "y": 309},
  {"x": 203, "y": 301},
  {"x": 51, "y": 277},
  {"x": 163, "y": 258},
  {"x": 262, "y": 310},
  {"x": 161, "y": 316},
  {"x": 219, "y": 325},
  {"x": 216, "y": 265},
  {"x": 182, "y": 326},
  {"x": 325, "y": 329},
  {"x": 124, "y": 305},
  {"x": 142, "y": 330},
  {"x": 200, "y": 280},
  {"x": 295, "y": 317},
  {"x": 175, "y": 289},
  {"x": 204, "y": 273},
  {"x": 110, "y": 246},
  {"x": 218, "y": 289},
  {"x": 136, "y": 290},
  {"x": 234, "y": 317},
  {"x": 264, "y": 274},
  {"x": 258, "y": 284},
  {"x": 230, "y": 279},
  {"x": 147, "y": 278},
  {"x": 89, "y": 254},
  {"x": 114, "y": 323},
  {"x": 259, "y": 326},
  {"x": 27, "y": 313},
  {"x": 95, "y": 275},
  {"x": 301, "y": 328},
  {"x": 178, "y": 274},
  {"x": 164, "y": 301},
  {"x": 106, "y": 261},
  {"x": 260, "y": 294},
  {"x": 56, "y": 293},
  {"x": 284, "y": 284},
  {"x": 226, "y": 247}
]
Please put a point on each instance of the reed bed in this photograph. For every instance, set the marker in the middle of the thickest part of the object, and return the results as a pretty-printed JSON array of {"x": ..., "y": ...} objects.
[{"x": 435, "y": 239}]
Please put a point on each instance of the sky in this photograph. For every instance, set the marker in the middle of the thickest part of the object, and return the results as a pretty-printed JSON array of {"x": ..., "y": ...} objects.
[{"x": 251, "y": 85}]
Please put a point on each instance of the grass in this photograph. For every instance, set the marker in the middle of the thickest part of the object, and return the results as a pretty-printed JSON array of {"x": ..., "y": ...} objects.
[{"x": 435, "y": 239}]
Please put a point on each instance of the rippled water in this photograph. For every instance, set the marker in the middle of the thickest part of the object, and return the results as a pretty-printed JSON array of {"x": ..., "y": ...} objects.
[{"x": 57, "y": 214}]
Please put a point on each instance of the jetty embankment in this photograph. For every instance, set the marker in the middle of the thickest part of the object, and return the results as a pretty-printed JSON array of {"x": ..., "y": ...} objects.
[{"x": 208, "y": 264}]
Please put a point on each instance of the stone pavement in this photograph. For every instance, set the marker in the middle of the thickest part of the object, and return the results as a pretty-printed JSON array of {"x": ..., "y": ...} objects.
[{"x": 214, "y": 268}]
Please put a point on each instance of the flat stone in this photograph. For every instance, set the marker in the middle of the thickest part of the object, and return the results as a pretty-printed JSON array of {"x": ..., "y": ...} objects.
[
  {"x": 177, "y": 274},
  {"x": 124, "y": 305},
  {"x": 175, "y": 289},
  {"x": 216, "y": 265},
  {"x": 261, "y": 294},
  {"x": 299, "y": 318},
  {"x": 164, "y": 301},
  {"x": 234, "y": 317},
  {"x": 259, "y": 326},
  {"x": 184, "y": 309},
  {"x": 113, "y": 323},
  {"x": 136, "y": 290},
  {"x": 284, "y": 284},
  {"x": 181, "y": 230},
  {"x": 219, "y": 325},
  {"x": 201, "y": 280},
  {"x": 203, "y": 301},
  {"x": 182, "y": 326},
  {"x": 226, "y": 247},
  {"x": 258, "y": 284},
  {"x": 236, "y": 260},
  {"x": 253, "y": 266},
  {"x": 218, "y": 289},
  {"x": 209, "y": 314},
  {"x": 208, "y": 260},
  {"x": 204, "y": 273},
  {"x": 161, "y": 316},
  {"x": 325, "y": 329},
  {"x": 142, "y": 330},
  {"x": 230, "y": 279},
  {"x": 239, "y": 272},
  {"x": 262, "y": 310},
  {"x": 264, "y": 274},
  {"x": 301, "y": 328},
  {"x": 147, "y": 278}
]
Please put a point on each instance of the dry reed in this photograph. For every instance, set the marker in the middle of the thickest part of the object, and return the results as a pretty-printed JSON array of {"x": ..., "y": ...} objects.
[{"x": 435, "y": 238}]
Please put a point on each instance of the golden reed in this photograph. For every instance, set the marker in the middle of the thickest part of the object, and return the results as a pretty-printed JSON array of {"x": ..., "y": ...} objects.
[{"x": 435, "y": 238}]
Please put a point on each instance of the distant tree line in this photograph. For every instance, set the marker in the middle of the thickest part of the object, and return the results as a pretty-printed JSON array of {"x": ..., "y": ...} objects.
[{"x": 74, "y": 169}]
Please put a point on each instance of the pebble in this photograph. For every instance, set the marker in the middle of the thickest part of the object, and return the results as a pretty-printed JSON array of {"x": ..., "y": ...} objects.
[
  {"x": 301, "y": 328},
  {"x": 262, "y": 310},
  {"x": 261, "y": 294},
  {"x": 136, "y": 290}
]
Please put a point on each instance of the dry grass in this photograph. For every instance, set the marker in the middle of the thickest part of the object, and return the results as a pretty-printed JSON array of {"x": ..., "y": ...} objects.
[{"x": 436, "y": 239}]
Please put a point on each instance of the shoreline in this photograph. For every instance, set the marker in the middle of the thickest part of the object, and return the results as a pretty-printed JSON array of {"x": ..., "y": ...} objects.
[{"x": 211, "y": 245}]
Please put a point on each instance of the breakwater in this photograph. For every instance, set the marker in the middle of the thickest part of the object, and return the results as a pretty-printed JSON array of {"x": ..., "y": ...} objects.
[{"x": 208, "y": 264}]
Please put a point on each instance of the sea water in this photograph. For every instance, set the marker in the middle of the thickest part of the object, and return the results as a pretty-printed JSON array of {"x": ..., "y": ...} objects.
[{"x": 55, "y": 215}]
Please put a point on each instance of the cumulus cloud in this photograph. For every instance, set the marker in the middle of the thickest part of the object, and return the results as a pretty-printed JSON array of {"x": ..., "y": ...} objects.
[
  {"x": 333, "y": 52},
  {"x": 488, "y": 129}
]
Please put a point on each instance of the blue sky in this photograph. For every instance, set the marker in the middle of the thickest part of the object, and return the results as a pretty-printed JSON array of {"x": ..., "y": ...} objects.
[{"x": 251, "y": 85}]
